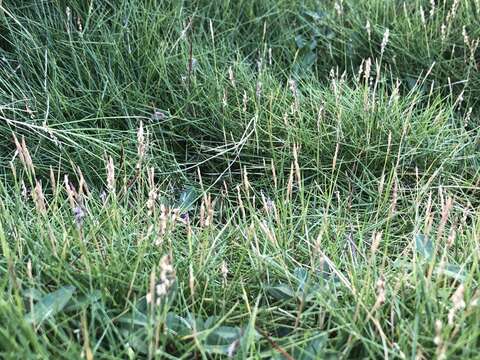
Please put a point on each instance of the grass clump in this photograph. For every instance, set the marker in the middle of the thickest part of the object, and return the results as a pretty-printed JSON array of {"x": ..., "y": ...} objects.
[{"x": 274, "y": 179}]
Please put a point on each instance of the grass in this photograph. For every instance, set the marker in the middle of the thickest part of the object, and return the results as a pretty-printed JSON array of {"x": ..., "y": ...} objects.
[{"x": 270, "y": 179}]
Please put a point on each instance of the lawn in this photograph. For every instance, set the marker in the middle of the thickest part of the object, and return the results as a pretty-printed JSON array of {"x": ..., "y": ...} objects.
[{"x": 271, "y": 179}]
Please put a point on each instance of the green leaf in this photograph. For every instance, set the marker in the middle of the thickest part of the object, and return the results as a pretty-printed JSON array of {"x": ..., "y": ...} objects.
[
  {"x": 453, "y": 271},
  {"x": 312, "y": 349},
  {"x": 211, "y": 321},
  {"x": 315, "y": 15},
  {"x": 83, "y": 301},
  {"x": 224, "y": 335},
  {"x": 135, "y": 318},
  {"x": 177, "y": 324},
  {"x": 424, "y": 246},
  {"x": 308, "y": 59},
  {"x": 301, "y": 275},
  {"x": 281, "y": 292},
  {"x": 32, "y": 293},
  {"x": 136, "y": 340},
  {"x": 50, "y": 305},
  {"x": 187, "y": 199},
  {"x": 216, "y": 349},
  {"x": 300, "y": 41}
]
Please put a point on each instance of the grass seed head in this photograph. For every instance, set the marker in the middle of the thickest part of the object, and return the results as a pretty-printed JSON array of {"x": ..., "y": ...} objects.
[
  {"x": 224, "y": 271},
  {"x": 381, "y": 292},
  {"x": 377, "y": 237},
  {"x": 245, "y": 101},
  {"x": 159, "y": 288},
  {"x": 386, "y": 36},
  {"x": 458, "y": 303},
  {"x": 39, "y": 198},
  {"x": 140, "y": 144},
  {"x": 231, "y": 76},
  {"x": 110, "y": 175}
]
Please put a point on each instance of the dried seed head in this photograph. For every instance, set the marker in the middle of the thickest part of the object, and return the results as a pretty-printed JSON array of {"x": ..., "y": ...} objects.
[
  {"x": 367, "y": 71},
  {"x": 294, "y": 89},
  {"x": 467, "y": 117},
  {"x": 381, "y": 292},
  {"x": 225, "y": 98},
  {"x": 110, "y": 175},
  {"x": 446, "y": 208},
  {"x": 259, "y": 65},
  {"x": 453, "y": 11},
  {"x": 466, "y": 39},
  {"x": 432, "y": 8},
  {"x": 209, "y": 205},
  {"x": 458, "y": 303},
  {"x": 269, "y": 233},
  {"x": 386, "y": 35},
  {"x": 175, "y": 215},
  {"x": 202, "y": 214},
  {"x": 285, "y": 119},
  {"x": 443, "y": 31},
  {"x": 161, "y": 287},
  {"x": 240, "y": 203},
  {"x": 29, "y": 269},
  {"x": 268, "y": 204},
  {"x": 163, "y": 223},
  {"x": 246, "y": 182},
  {"x": 151, "y": 293},
  {"x": 428, "y": 215},
  {"x": 258, "y": 91},
  {"x": 296, "y": 163},
  {"x": 224, "y": 270},
  {"x": 71, "y": 193},
  {"x": 39, "y": 198},
  {"x": 140, "y": 143},
  {"x": 24, "y": 190},
  {"x": 231, "y": 76},
  {"x": 376, "y": 238},
  {"x": 24, "y": 155},
  {"x": 457, "y": 297},
  {"x": 79, "y": 24},
  {"x": 82, "y": 184},
  {"x": 338, "y": 8},
  {"x": 451, "y": 237},
  {"x": 439, "y": 342},
  {"x": 394, "y": 198},
  {"x": 191, "y": 280},
  {"x": 152, "y": 194}
]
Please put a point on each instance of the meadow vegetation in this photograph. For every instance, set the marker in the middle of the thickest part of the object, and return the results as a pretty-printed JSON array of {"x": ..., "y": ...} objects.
[{"x": 278, "y": 179}]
